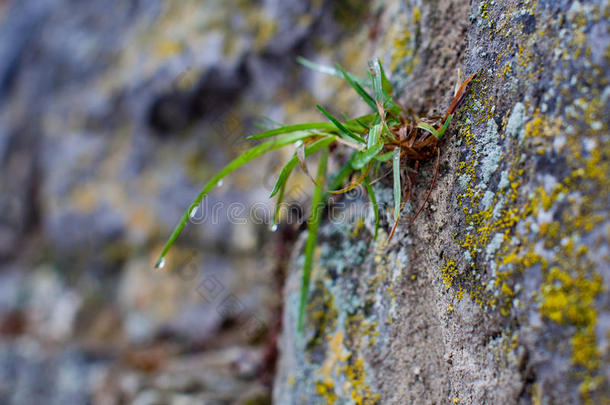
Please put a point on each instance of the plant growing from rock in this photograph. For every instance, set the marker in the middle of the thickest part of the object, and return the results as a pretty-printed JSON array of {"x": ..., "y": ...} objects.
[{"x": 390, "y": 133}]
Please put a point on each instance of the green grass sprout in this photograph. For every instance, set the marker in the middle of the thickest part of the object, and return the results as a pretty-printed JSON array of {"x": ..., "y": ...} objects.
[{"x": 389, "y": 132}]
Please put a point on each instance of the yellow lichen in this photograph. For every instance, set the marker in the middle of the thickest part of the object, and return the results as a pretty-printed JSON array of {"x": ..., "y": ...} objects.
[
  {"x": 336, "y": 355},
  {"x": 568, "y": 299},
  {"x": 360, "y": 391},
  {"x": 326, "y": 391}
]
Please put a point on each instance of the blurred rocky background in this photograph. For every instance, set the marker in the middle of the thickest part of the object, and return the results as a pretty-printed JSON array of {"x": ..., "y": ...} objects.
[{"x": 112, "y": 116}]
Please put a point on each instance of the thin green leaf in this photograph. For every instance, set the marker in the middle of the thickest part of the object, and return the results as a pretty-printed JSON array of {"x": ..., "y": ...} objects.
[
  {"x": 312, "y": 235},
  {"x": 353, "y": 125},
  {"x": 385, "y": 82},
  {"x": 343, "y": 131},
  {"x": 444, "y": 128},
  {"x": 429, "y": 128},
  {"x": 391, "y": 121},
  {"x": 373, "y": 137},
  {"x": 392, "y": 107},
  {"x": 397, "y": 189},
  {"x": 373, "y": 198},
  {"x": 362, "y": 158},
  {"x": 385, "y": 157},
  {"x": 360, "y": 123},
  {"x": 278, "y": 205},
  {"x": 288, "y": 167},
  {"x": 244, "y": 158},
  {"x": 358, "y": 88},
  {"x": 376, "y": 81},
  {"x": 328, "y": 70},
  {"x": 268, "y": 123},
  {"x": 363, "y": 125},
  {"x": 321, "y": 126}
]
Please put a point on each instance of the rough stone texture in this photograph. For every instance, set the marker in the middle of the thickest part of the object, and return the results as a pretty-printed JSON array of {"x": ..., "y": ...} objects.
[{"x": 498, "y": 293}]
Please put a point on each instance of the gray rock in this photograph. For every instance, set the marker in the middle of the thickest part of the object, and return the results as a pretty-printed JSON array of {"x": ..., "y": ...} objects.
[{"x": 450, "y": 312}]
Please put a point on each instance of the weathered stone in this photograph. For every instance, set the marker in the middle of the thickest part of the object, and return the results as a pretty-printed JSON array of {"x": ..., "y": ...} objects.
[{"x": 499, "y": 293}]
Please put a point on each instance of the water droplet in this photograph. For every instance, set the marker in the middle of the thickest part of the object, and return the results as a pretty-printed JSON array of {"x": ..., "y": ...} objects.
[
  {"x": 220, "y": 183},
  {"x": 194, "y": 212},
  {"x": 160, "y": 263},
  {"x": 273, "y": 227},
  {"x": 298, "y": 143}
]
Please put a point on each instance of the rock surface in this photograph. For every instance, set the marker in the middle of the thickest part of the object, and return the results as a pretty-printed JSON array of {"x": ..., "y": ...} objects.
[{"x": 498, "y": 293}]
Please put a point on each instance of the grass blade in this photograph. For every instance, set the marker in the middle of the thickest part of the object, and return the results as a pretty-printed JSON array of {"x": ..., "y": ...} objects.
[
  {"x": 360, "y": 123},
  {"x": 377, "y": 83},
  {"x": 342, "y": 129},
  {"x": 385, "y": 157},
  {"x": 288, "y": 167},
  {"x": 330, "y": 71},
  {"x": 278, "y": 206},
  {"x": 373, "y": 198},
  {"x": 322, "y": 126},
  {"x": 361, "y": 92},
  {"x": 312, "y": 236},
  {"x": 363, "y": 119},
  {"x": 428, "y": 128},
  {"x": 373, "y": 137},
  {"x": 244, "y": 158},
  {"x": 363, "y": 125},
  {"x": 355, "y": 124},
  {"x": 267, "y": 123},
  {"x": 363, "y": 158},
  {"x": 385, "y": 82},
  {"x": 445, "y": 126},
  {"x": 397, "y": 189},
  {"x": 459, "y": 96}
]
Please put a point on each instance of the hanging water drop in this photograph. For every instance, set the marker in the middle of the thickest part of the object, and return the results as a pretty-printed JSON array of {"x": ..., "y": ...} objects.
[
  {"x": 220, "y": 183},
  {"x": 160, "y": 263},
  {"x": 298, "y": 143},
  {"x": 194, "y": 212},
  {"x": 273, "y": 227}
]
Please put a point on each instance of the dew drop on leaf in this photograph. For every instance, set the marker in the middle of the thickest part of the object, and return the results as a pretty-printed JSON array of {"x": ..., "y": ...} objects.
[
  {"x": 160, "y": 263},
  {"x": 273, "y": 227}
]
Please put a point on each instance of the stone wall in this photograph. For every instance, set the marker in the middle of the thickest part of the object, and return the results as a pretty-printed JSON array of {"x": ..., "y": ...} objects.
[{"x": 498, "y": 293}]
